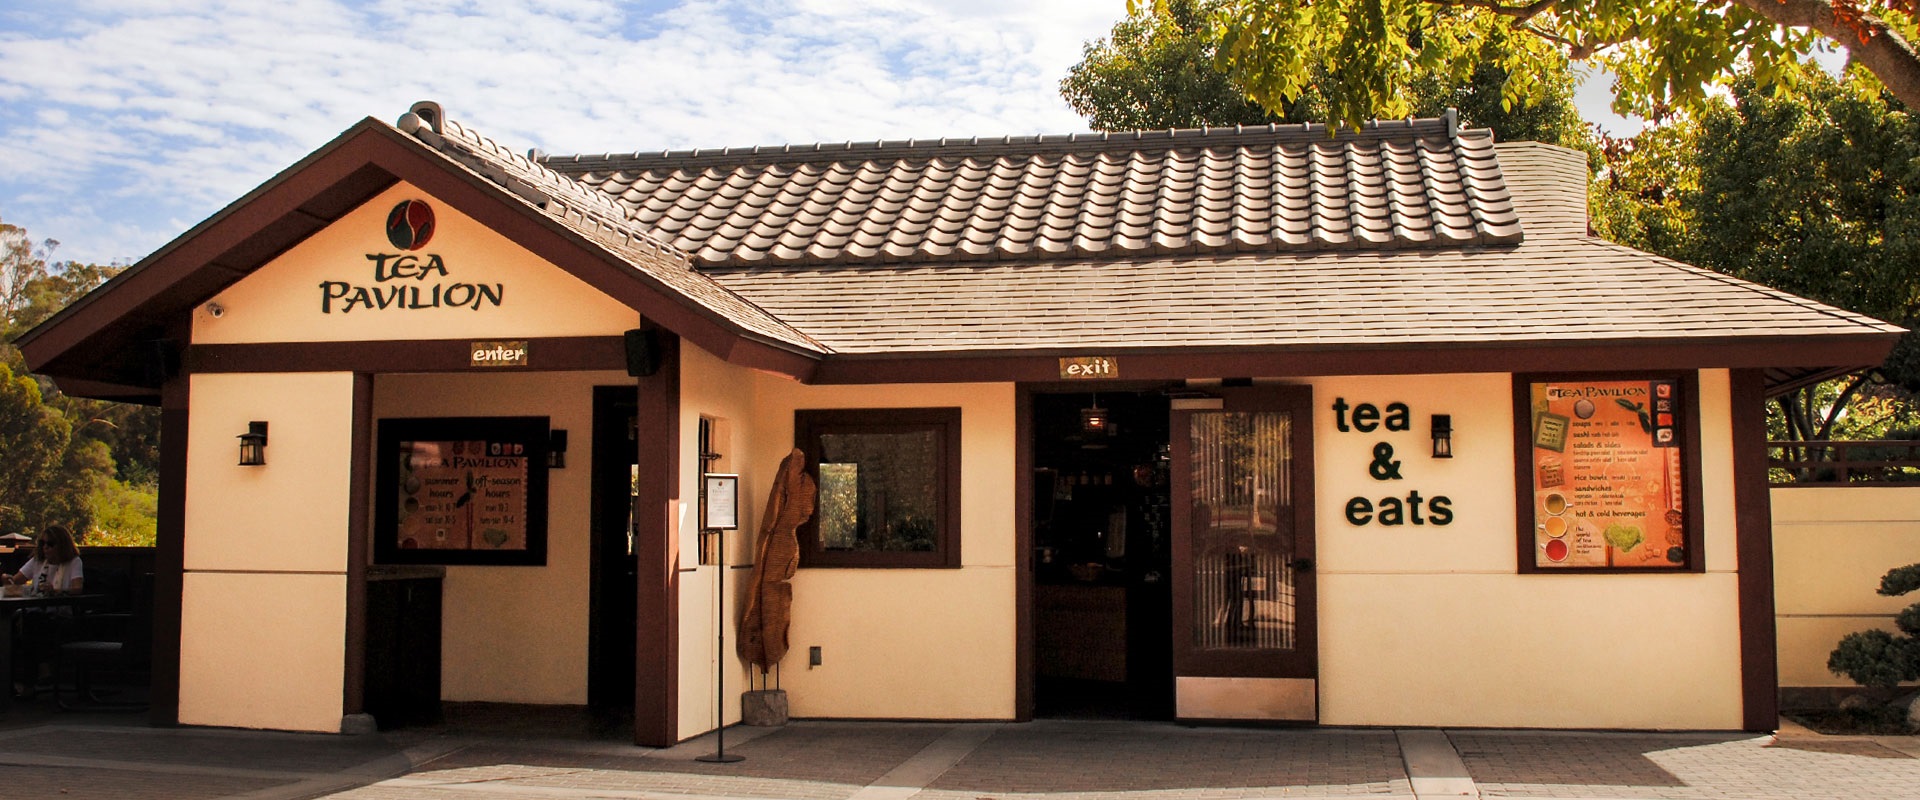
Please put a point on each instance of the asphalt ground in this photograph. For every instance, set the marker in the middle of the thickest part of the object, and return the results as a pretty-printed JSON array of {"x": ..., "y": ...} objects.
[{"x": 520, "y": 752}]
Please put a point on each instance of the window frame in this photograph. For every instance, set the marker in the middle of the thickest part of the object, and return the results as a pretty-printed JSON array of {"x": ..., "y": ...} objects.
[{"x": 944, "y": 422}]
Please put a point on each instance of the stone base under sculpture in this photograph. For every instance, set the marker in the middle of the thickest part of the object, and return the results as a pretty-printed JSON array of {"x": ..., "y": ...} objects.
[{"x": 765, "y": 708}]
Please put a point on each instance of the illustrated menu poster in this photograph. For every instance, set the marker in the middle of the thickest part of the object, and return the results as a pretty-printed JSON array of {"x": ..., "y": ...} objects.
[
  {"x": 1607, "y": 474},
  {"x": 462, "y": 490},
  {"x": 462, "y": 495}
]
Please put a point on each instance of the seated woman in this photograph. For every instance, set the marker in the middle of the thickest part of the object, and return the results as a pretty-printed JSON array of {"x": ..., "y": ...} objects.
[
  {"x": 54, "y": 569},
  {"x": 55, "y": 566}
]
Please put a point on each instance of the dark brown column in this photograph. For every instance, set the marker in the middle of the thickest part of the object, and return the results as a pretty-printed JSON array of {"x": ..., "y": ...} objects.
[
  {"x": 1753, "y": 521},
  {"x": 656, "y": 674},
  {"x": 1023, "y": 554},
  {"x": 169, "y": 553},
  {"x": 359, "y": 512}
]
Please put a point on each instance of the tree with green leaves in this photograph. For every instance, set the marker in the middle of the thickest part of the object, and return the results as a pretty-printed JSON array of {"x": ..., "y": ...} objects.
[
  {"x": 90, "y": 465},
  {"x": 1159, "y": 68},
  {"x": 1364, "y": 57},
  {"x": 1815, "y": 191}
]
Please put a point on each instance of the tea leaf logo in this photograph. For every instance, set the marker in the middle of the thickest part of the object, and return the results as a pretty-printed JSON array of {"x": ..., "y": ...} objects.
[{"x": 410, "y": 225}]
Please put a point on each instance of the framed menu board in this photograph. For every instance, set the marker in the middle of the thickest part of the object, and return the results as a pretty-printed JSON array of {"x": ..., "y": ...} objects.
[
  {"x": 461, "y": 490},
  {"x": 1609, "y": 472}
]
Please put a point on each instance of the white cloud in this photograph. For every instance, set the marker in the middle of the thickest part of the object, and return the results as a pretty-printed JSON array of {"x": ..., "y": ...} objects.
[{"x": 155, "y": 113}]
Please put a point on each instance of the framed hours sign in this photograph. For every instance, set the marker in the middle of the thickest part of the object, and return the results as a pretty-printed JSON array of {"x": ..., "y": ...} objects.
[{"x": 462, "y": 490}]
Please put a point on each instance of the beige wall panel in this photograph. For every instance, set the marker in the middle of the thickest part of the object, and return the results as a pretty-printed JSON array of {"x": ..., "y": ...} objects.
[
  {"x": 517, "y": 634},
  {"x": 1433, "y": 625},
  {"x": 1478, "y": 479},
  {"x": 282, "y": 301},
  {"x": 1879, "y": 503},
  {"x": 1577, "y": 651},
  {"x": 723, "y": 392},
  {"x": 291, "y": 514},
  {"x": 917, "y": 644},
  {"x": 1831, "y": 546},
  {"x": 1805, "y": 643},
  {"x": 262, "y": 650},
  {"x": 906, "y": 643}
]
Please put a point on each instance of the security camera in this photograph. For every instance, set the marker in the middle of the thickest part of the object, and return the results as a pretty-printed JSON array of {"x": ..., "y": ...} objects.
[{"x": 216, "y": 310}]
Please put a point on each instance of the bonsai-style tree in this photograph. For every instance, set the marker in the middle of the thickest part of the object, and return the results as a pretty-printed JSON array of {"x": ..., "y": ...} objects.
[{"x": 1880, "y": 660}]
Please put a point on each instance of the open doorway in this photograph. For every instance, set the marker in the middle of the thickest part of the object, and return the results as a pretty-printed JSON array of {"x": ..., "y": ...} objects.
[
  {"x": 1102, "y": 594},
  {"x": 613, "y": 612}
]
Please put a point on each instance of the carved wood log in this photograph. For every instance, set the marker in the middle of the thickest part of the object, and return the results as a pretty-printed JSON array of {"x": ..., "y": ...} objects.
[{"x": 769, "y": 605}]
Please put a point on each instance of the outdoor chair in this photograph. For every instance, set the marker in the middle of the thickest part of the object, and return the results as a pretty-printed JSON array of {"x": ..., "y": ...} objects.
[{"x": 124, "y": 657}]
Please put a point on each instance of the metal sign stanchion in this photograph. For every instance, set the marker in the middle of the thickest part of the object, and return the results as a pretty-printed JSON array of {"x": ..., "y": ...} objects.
[{"x": 720, "y": 513}]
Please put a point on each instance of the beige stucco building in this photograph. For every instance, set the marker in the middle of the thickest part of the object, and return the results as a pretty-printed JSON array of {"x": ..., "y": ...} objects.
[{"x": 1355, "y": 429}]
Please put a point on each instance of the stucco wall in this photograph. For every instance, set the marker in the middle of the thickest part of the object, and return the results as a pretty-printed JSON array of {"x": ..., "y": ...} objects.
[
  {"x": 517, "y": 634},
  {"x": 283, "y": 300},
  {"x": 263, "y": 607},
  {"x": 1426, "y": 625},
  {"x": 1830, "y": 546},
  {"x": 906, "y": 643},
  {"x": 720, "y": 391}
]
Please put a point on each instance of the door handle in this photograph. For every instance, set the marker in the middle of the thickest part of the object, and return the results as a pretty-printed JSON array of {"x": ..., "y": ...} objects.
[{"x": 1302, "y": 565}]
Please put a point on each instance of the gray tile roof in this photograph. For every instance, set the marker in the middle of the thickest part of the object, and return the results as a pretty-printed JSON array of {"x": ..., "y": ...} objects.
[
  {"x": 1291, "y": 188},
  {"x": 597, "y": 218},
  {"x": 1405, "y": 234}
]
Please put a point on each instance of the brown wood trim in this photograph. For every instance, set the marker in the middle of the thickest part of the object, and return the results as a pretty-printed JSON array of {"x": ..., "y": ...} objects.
[
  {"x": 569, "y": 353},
  {"x": 810, "y": 424},
  {"x": 1023, "y": 659},
  {"x": 358, "y": 525},
  {"x": 1753, "y": 535},
  {"x": 1689, "y": 424},
  {"x": 1198, "y": 362},
  {"x": 169, "y": 555},
  {"x": 762, "y": 356},
  {"x": 656, "y": 674}
]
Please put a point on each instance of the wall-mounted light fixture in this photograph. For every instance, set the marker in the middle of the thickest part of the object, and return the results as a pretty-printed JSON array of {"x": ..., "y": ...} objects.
[
  {"x": 1443, "y": 436},
  {"x": 557, "y": 449},
  {"x": 253, "y": 445},
  {"x": 1095, "y": 419}
]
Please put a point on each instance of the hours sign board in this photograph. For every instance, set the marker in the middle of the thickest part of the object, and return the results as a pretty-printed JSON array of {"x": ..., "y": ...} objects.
[{"x": 462, "y": 491}]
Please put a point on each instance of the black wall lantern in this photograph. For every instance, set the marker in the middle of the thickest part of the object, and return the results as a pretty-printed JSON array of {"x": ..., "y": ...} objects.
[
  {"x": 557, "y": 449},
  {"x": 253, "y": 445},
  {"x": 1443, "y": 436}
]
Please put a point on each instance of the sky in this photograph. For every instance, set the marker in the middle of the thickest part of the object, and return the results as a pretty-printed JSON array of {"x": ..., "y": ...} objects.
[{"x": 123, "y": 123}]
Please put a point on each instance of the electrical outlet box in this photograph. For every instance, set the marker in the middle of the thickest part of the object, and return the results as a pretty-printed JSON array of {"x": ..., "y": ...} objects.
[{"x": 813, "y": 656}]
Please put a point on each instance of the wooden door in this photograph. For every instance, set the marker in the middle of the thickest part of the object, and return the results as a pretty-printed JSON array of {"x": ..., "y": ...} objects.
[{"x": 1245, "y": 643}]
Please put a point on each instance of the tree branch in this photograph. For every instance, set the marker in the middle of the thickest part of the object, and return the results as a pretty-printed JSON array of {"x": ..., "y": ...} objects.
[
  {"x": 1520, "y": 14},
  {"x": 1840, "y": 404},
  {"x": 1869, "y": 40}
]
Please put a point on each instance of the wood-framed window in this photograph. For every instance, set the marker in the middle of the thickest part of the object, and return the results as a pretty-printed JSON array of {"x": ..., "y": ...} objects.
[
  {"x": 889, "y": 487},
  {"x": 1608, "y": 472}
]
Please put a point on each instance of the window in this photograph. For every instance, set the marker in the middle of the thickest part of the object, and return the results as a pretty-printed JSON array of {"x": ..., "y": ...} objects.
[{"x": 889, "y": 487}]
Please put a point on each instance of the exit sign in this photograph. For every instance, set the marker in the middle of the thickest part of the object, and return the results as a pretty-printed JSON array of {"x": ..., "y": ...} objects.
[{"x": 1084, "y": 367}]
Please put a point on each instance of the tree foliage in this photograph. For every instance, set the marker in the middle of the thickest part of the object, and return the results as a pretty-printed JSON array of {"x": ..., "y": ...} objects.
[
  {"x": 85, "y": 464},
  {"x": 1815, "y": 191},
  {"x": 1364, "y": 56},
  {"x": 1160, "y": 68},
  {"x": 1881, "y": 659}
]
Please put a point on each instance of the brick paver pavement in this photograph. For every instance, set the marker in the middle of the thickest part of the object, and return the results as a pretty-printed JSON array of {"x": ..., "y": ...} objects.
[
  {"x": 1686, "y": 766},
  {"x": 1050, "y": 760}
]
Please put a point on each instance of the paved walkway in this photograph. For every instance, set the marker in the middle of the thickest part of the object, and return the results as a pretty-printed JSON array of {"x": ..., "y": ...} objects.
[{"x": 90, "y": 757}]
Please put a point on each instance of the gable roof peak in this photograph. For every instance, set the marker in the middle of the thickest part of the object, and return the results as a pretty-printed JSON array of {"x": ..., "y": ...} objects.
[{"x": 526, "y": 177}]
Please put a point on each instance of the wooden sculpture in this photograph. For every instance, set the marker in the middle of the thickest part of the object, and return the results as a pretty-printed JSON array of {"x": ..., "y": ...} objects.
[{"x": 769, "y": 606}]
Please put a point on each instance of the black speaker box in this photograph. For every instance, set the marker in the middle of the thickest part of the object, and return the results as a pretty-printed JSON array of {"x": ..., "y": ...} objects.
[{"x": 643, "y": 353}]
